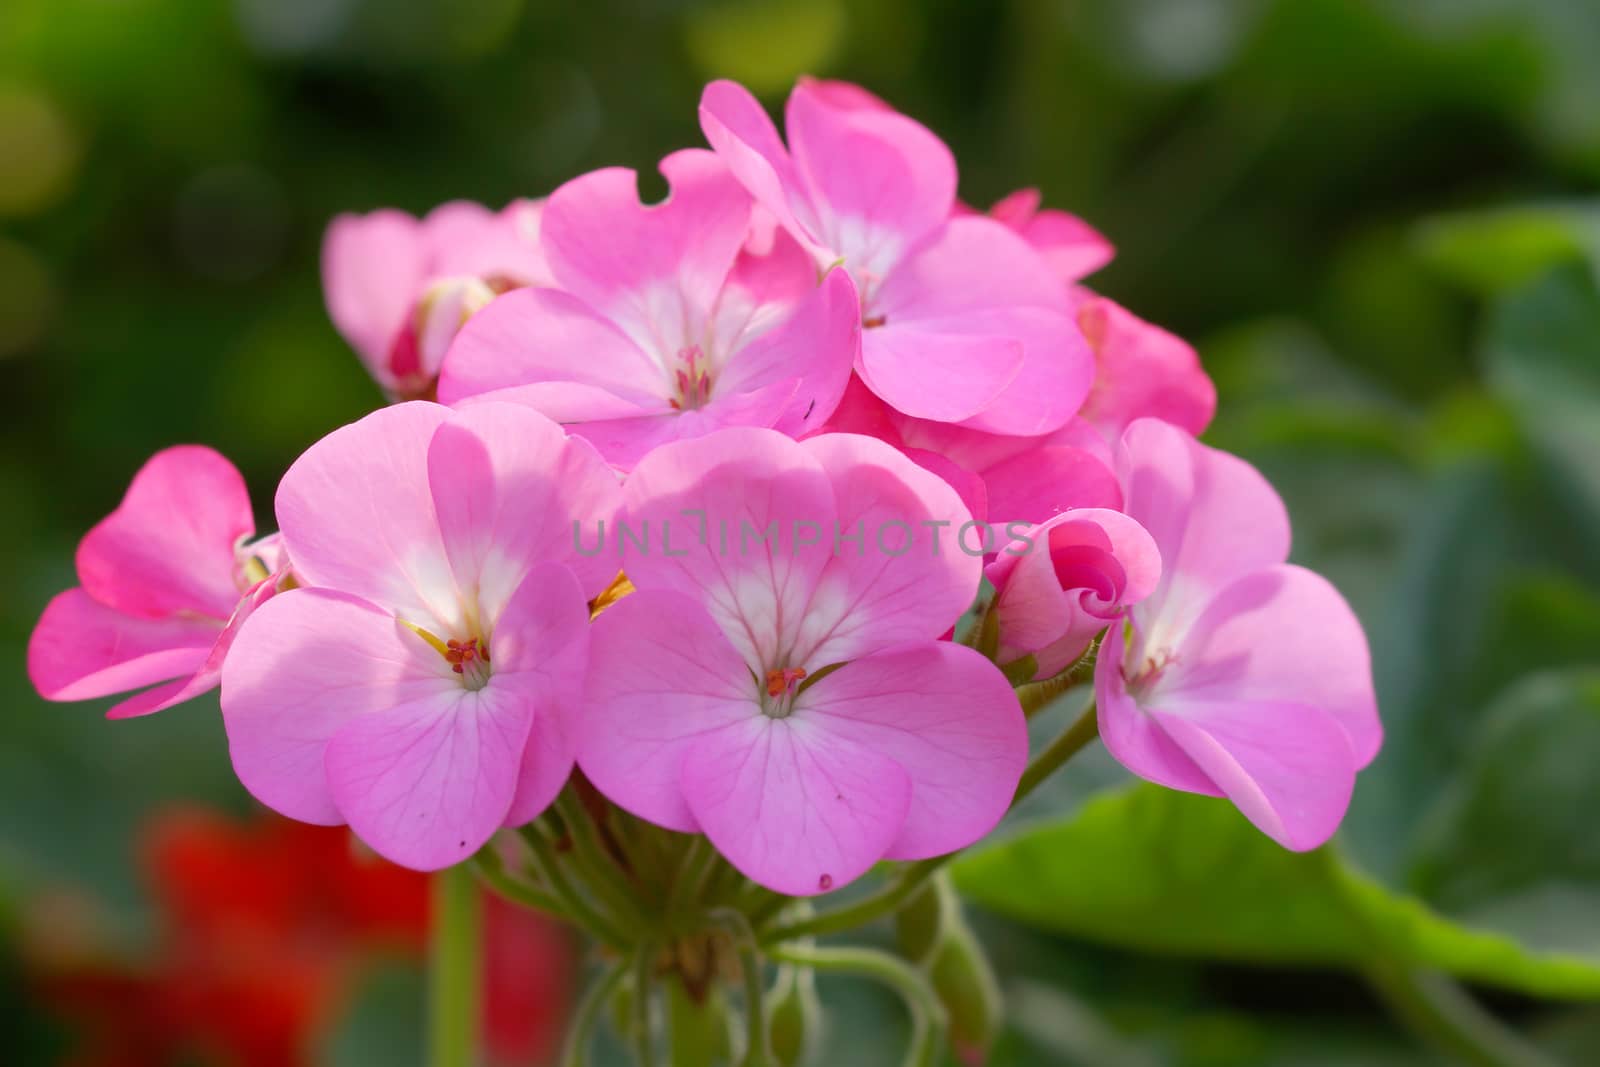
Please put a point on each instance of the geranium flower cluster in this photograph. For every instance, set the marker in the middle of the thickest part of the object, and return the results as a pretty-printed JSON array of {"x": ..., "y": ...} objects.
[{"x": 693, "y": 496}]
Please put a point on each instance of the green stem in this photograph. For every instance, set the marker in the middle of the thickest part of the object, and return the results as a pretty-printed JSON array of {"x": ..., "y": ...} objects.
[
  {"x": 758, "y": 1052},
  {"x": 927, "y": 1014},
  {"x": 572, "y": 902},
  {"x": 1071, "y": 741},
  {"x": 644, "y": 1044},
  {"x": 689, "y": 880},
  {"x": 455, "y": 970},
  {"x": 575, "y": 1050},
  {"x": 1443, "y": 1015},
  {"x": 600, "y": 871},
  {"x": 492, "y": 871}
]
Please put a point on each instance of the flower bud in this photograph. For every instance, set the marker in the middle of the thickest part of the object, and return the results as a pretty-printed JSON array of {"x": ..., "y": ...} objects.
[
  {"x": 1061, "y": 582},
  {"x": 965, "y": 982},
  {"x": 794, "y": 1017}
]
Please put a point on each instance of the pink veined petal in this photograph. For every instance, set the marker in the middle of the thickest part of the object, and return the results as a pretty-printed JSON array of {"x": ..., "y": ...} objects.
[
  {"x": 540, "y": 653},
  {"x": 304, "y": 665},
  {"x": 879, "y": 179},
  {"x": 907, "y": 576},
  {"x": 1142, "y": 370},
  {"x": 948, "y": 718},
  {"x": 427, "y": 782},
  {"x": 207, "y": 676},
  {"x": 1286, "y": 766},
  {"x": 1047, "y": 481},
  {"x": 740, "y": 520},
  {"x": 82, "y": 649},
  {"x": 510, "y": 491},
  {"x": 1132, "y": 736},
  {"x": 969, "y": 264},
  {"x": 372, "y": 268},
  {"x": 529, "y": 336},
  {"x": 792, "y": 807},
  {"x": 743, "y": 135},
  {"x": 762, "y": 407},
  {"x": 818, "y": 340},
  {"x": 933, "y": 372},
  {"x": 169, "y": 546},
  {"x": 662, "y": 676},
  {"x": 1282, "y": 635},
  {"x": 655, "y": 270},
  {"x": 1213, "y": 515},
  {"x": 357, "y": 516}
]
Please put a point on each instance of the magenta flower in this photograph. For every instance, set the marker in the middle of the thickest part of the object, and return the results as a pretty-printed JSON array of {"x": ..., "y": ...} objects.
[
  {"x": 1240, "y": 675},
  {"x": 1141, "y": 371},
  {"x": 777, "y": 681},
  {"x": 667, "y": 323},
  {"x": 398, "y": 288},
  {"x": 965, "y": 322},
  {"x": 166, "y": 580},
  {"x": 418, "y": 687},
  {"x": 1064, "y": 581}
]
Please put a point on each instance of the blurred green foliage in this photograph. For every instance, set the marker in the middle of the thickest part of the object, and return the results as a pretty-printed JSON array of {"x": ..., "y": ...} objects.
[{"x": 1376, "y": 218}]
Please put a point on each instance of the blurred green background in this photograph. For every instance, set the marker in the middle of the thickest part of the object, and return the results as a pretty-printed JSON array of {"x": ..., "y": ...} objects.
[{"x": 1377, "y": 219}]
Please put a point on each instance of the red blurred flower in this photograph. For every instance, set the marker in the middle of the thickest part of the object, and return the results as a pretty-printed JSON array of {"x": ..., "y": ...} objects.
[{"x": 264, "y": 926}]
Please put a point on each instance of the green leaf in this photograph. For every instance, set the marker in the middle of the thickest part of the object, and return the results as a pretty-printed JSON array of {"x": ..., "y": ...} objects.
[
  {"x": 1152, "y": 869},
  {"x": 1512, "y": 847},
  {"x": 1495, "y": 251}
]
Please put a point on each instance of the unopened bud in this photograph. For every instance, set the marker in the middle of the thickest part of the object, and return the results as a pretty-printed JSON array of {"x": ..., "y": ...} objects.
[{"x": 794, "y": 1017}]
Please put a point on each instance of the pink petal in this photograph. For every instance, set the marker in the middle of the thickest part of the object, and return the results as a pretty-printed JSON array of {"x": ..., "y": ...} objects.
[
  {"x": 427, "y": 782},
  {"x": 969, "y": 264},
  {"x": 529, "y": 336},
  {"x": 169, "y": 546},
  {"x": 1073, "y": 249},
  {"x": 879, "y": 179},
  {"x": 207, "y": 676},
  {"x": 1130, "y": 735},
  {"x": 82, "y": 649},
  {"x": 935, "y": 371},
  {"x": 968, "y": 486},
  {"x": 357, "y": 516},
  {"x": 306, "y": 664},
  {"x": 1142, "y": 370},
  {"x": 743, "y": 135},
  {"x": 464, "y": 239},
  {"x": 1213, "y": 515},
  {"x": 372, "y": 270},
  {"x": 947, "y": 718},
  {"x": 655, "y": 270},
  {"x": 540, "y": 650},
  {"x": 510, "y": 491},
  {"x": 908, "y": 576},
  {"x": 1282, "y": 635},
  {"x": 706, "y": 506},
  {"x": 1288, "y": 767},
  {"x": 662, "y": 675},
  {"x": 1046, "y": 481},
  {"x": 819, "y": 340},
  {"x": 1055, "y": 376},
  {"x": 792, "y": 807}
]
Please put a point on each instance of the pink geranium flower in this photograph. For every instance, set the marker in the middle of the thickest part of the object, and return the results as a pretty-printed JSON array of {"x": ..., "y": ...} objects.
[
  {"x": 398, "y": 288},
  {"x": 1064, "y": 581},
  {"x": 965, "y": 322},
  {"x": 784, "y": 691},
  {"x": 666, "y": 324},
  {"x": 165, "y": 582},
  {"x": 417, "y": 687},
  {"x": 1240, "y": 675}
]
